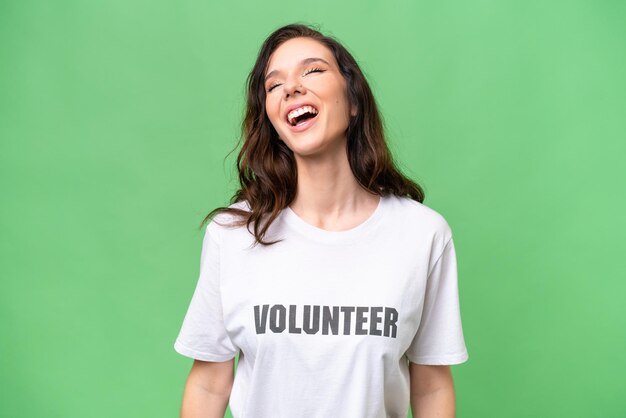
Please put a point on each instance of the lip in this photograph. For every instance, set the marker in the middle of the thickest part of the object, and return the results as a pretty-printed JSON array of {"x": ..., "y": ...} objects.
[
  {"x": 295, "y": 106},
  {"x": 306, "y": 125}
]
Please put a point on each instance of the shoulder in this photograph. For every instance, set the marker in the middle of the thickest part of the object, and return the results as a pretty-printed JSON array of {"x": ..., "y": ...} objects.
[
  {"x": 224, "y": 221},
  {"x": 417, "y": 216},
  {"x": 422, "y": 227}
]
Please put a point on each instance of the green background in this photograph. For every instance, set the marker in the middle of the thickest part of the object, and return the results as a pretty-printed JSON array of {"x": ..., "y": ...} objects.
[{"x": 116, "y": 120}]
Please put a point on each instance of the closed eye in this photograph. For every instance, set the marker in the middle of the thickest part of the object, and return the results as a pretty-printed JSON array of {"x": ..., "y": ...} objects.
[
  {"x": 312, "y": 70},
  {"x": 273, "y": 86}
]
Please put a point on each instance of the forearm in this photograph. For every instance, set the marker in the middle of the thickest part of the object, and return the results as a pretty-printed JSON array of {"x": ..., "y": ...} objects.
[
  {"x": 200, "y": 403},
  {"x": 439, "y": 403}
]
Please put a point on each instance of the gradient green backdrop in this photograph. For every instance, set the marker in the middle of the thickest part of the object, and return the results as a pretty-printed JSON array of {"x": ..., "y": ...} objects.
[{"x": 116, "y": 119}]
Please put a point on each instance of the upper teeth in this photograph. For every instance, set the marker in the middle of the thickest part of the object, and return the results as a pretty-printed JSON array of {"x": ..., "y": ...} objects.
[{"x": 299, "y": 111}]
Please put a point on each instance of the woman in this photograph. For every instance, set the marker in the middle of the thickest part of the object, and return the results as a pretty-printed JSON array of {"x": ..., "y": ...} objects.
[{"x": 349, "y": 306}]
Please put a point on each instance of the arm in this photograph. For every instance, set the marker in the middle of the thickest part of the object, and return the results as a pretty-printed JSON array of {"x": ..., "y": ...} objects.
[
  {"x": 207, "y": 389},
  {"x": 432, "y": 391}
]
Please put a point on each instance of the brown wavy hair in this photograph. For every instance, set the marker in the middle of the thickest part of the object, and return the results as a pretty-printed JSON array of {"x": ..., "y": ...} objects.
[{"x": 267, "y": 168}]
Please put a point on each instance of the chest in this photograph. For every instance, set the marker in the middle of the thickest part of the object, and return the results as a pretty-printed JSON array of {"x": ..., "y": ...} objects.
[{"x": 302, "y": 295}]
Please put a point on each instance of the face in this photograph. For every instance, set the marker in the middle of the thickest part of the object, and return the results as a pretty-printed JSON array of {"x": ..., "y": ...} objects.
[{"x": 302, "y": 71}]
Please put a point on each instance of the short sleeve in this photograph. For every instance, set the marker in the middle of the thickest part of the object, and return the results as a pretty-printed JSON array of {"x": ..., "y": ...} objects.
[
  {"x": 203, "y": 335},
  {"x": 439, "y": 338}
]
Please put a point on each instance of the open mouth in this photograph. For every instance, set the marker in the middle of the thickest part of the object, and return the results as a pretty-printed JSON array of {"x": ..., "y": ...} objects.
[{"x": 302, "y": 115}]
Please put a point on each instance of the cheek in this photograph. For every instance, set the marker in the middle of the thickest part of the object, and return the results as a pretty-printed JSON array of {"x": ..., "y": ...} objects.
[
  {"x": 271, "y": 108},
  {"x": 338, "y": 93},
  {"x": 274, "y": 116}
]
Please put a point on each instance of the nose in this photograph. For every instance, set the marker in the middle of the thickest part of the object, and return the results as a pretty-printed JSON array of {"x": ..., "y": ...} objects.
[{"x": 293, "y": 85}]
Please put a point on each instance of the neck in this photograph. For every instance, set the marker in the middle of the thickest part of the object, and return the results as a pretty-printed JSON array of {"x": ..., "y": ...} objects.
[{"x": 328, "y": 193}]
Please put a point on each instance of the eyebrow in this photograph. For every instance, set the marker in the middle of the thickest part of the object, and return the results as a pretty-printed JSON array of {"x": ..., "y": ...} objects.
[{"x": 303, "y": 62}]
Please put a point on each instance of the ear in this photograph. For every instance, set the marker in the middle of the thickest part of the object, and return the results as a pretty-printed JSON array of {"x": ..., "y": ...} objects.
[{"x": 353, "y": 110}]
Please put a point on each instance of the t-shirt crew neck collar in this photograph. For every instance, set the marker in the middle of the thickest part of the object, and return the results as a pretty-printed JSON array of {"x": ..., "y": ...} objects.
[{"x": 338, "y": 237}]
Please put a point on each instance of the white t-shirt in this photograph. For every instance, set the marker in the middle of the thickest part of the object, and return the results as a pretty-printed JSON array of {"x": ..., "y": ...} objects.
[{"x": 324, "y": 321}]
